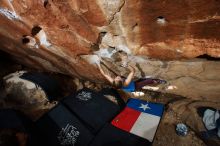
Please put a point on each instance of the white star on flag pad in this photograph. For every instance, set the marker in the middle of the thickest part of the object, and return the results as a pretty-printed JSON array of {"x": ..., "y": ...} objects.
[{"x": 144, "y": 106}]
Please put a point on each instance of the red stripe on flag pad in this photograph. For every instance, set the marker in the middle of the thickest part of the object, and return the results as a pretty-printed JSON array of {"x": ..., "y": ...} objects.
[{"x": 126, "y": 119}]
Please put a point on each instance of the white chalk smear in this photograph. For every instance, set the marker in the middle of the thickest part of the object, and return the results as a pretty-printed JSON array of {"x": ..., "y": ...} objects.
[
  {"x": 106, "y": 53},
  {"x": 10, "y": 15},
  {"x": 171, "y": 87},
  {"x": 43, "y": 38},
  {"x": 123, "y": 48},
  {"x": 180, "y": 51},
  {"x": 149, "y": 76},
  {"x": 92, "y": 59},
  {"x": 151, "y": 88},
  {"x": 32, "y": 42},
  {"x": 161, "y": 21}
]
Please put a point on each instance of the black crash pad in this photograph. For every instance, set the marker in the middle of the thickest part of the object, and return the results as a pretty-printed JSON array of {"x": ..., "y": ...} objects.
[
  {"x": 60, "y": 127},
  {"x": 112, "y": 136},
  {"x": 92, "y": 108}
]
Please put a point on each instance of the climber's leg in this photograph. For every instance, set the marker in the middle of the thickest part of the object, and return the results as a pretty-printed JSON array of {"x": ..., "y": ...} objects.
[{"x": 147, "y": 81}]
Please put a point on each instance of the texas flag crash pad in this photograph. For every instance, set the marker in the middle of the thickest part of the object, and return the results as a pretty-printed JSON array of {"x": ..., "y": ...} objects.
[{"x": 140, "y": 118}]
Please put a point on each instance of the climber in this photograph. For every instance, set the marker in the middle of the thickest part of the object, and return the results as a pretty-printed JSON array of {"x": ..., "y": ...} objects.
[{"x": 127, "y": 84}]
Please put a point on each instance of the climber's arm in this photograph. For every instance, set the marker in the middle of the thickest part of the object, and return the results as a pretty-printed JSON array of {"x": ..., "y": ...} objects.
[
  {"x": 130, "y": 76},
  {"x": 110, "y": 79}
]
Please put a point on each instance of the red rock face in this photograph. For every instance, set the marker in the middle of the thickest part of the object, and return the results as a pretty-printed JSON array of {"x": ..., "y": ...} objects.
[
  {"x": 69, "y": 26},
  {"x": 173, "y": 29},
  {"x": 55, "y": 35},
  {"x": 158, "y": 29}
]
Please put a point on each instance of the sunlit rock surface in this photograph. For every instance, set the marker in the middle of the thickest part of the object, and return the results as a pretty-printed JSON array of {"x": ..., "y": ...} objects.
[{"x": 60, "y": 36}]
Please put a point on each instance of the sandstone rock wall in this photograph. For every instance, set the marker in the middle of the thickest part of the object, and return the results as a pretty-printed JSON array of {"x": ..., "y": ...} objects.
[{"x": 61, "y": 35}]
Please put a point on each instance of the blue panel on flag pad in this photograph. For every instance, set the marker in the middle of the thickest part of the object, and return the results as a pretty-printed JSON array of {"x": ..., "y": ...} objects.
[
  {"x": 146, "y": 107},
  {"x": 130, "y": 87}
]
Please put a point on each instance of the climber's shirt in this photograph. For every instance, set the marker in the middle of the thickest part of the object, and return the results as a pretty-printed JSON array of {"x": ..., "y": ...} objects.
[{"x": 130, "y": 87}]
